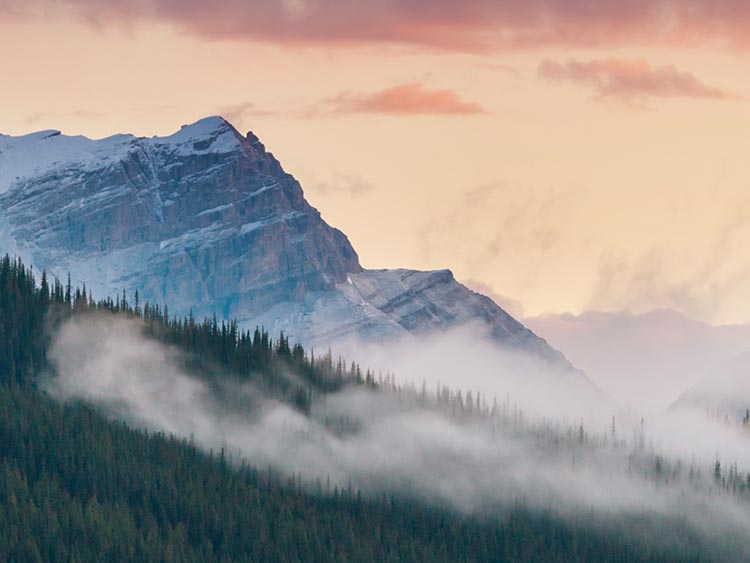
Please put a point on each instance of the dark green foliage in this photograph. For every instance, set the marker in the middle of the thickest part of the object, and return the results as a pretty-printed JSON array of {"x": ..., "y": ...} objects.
[
  {"x": 22, "y": 312},
  {"x": 75, "y": 487}
]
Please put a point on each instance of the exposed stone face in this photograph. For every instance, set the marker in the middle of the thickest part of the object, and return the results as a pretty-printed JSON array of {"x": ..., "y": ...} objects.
[
  {"x": 219, "y": 223},
  {"x": 385, "y": 305},
  {"x": 207, "y": 220},
  {"x": 427, "y": 301}
]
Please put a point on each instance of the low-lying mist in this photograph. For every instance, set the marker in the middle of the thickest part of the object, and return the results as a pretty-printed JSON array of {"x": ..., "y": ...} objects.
[
  {"x": 464, "y": 359},
  {"x": 549, "y": 443}
]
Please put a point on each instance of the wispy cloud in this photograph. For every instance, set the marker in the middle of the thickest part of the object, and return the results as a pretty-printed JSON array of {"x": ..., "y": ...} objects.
[
  {"x": 466, "y": 25},
  {"x": 709, "y": 284},
  {"x": 512, "y": 306},
  {"x": 631, "y": 80},
  {"x": 33, "y": 118},
  {"x": 405, "y": 99},
  {"x": 524, "y": 221},
  {"x": 349, "y": 184},
  {"x": 237, "y": 112}
]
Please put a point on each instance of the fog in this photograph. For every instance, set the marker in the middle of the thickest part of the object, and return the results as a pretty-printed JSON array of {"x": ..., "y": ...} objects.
[
  {"x": 645, "y": 360},
  {"x": 389, "y": 443},
  {"x": 463, "y": 359},
  {"x": 466, "y": 358}
]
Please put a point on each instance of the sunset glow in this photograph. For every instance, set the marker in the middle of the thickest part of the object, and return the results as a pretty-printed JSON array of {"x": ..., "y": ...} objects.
[{"x": 568, "y": 155}]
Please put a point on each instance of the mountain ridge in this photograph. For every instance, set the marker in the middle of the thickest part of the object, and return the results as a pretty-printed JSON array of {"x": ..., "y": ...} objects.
[
  {"x": 724, "y": 391},
  {"x": 647, "y": 359},
  {"x": 207, "y": 219}
]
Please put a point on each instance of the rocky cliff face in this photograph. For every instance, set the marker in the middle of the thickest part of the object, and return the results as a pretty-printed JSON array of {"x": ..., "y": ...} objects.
[
  {"x": 395, "y": 304},
  {"x": 206, "y": 219}
]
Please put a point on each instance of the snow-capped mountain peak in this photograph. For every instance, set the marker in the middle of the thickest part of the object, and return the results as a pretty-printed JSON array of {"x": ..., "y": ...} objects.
[
  {"x": 209, "y": 135},
  {"x": 207, "y": 220}
]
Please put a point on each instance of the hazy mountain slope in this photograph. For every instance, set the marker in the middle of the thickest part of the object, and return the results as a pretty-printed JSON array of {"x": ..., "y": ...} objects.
[
  {"x": 725, "y": 391},
  {"x": 648, "y": 359}
]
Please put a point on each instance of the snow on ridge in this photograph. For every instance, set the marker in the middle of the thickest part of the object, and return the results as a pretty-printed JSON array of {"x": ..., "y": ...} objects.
[
  {"x": 41, "y": 152},
  {"x": 36, "y": 135},
  {"x": 38, "y": 153},
  {"x": 202, "y": 128}
]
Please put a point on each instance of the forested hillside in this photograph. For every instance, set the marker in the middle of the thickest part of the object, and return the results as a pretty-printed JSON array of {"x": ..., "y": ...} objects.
[{"x": 76, "y": 486}]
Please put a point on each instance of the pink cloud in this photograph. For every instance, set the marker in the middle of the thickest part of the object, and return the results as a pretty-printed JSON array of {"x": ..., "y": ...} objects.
[
  {"x": 468, "y": 24},
  {"x": 631, "y": 80},
  {"x": 406, "y": 99}
]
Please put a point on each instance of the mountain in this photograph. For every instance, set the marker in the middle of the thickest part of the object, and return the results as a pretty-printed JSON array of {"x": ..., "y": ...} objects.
[
  {"x": 725, "y": 391},
  {"x": 208, "y": 221},
  {"x": 204, "y": 218},
  {"x": 646, "y": 359}
]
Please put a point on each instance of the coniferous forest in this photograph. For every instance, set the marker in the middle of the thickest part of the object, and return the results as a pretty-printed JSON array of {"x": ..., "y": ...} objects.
[{"x": 78, "y": 487}]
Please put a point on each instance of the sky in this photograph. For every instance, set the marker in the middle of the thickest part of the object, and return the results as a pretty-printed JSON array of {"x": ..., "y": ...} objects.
[{"x": 560, "y": 155}]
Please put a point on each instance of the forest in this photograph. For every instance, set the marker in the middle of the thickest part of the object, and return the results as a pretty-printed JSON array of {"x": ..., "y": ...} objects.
[{"x": 79, "y": 486}]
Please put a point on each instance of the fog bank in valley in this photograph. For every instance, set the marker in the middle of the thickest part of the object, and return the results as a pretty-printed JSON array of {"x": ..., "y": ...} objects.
[{"x": 549, "y": 443}]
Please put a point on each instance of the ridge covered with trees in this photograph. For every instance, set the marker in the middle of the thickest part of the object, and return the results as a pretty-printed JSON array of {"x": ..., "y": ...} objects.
[{"x": 77, "y": 487}]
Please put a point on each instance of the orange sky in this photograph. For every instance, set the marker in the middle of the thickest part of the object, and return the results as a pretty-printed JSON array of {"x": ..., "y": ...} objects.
[{"x": 604, "y": 169}]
